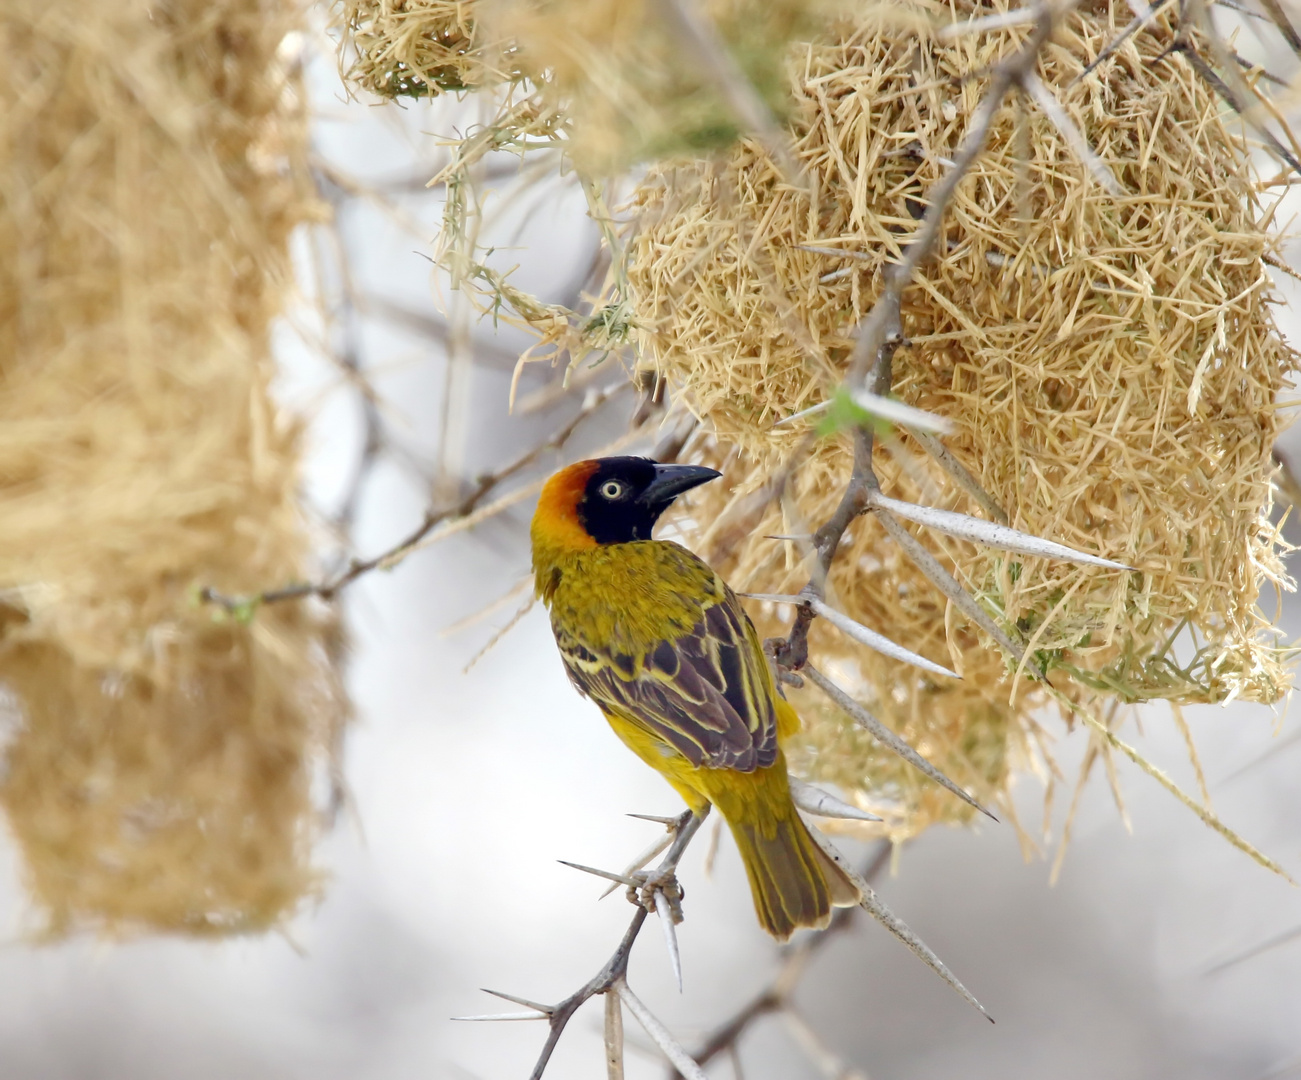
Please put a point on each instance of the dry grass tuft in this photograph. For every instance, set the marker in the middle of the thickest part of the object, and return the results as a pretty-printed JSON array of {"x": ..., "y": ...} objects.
[
  {"x": 1111, "y": 366},
  {"x": 160, "y": 766},
  {"x": 421, "y": 48}
]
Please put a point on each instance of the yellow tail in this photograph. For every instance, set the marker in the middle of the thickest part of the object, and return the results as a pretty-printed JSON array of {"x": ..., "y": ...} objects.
[{"x": 794, "y": 883}]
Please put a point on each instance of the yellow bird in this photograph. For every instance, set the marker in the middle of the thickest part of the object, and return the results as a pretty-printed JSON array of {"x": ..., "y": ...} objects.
[{"x": 651, "y": 634}]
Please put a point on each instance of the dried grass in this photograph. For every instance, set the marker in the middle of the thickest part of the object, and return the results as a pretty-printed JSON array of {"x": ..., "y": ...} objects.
[
  {"x": 1111, "y": 366},
  {"x": 421, "y": 48},
  {"x": 160, "y": 769}
]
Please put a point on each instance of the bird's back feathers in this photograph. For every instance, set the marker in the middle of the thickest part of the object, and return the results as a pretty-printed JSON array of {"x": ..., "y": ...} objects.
[{"x": 654, "y": 636}]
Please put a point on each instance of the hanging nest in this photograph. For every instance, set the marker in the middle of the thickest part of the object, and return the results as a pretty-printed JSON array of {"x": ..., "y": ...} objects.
[
  {"x": 1110, "y": 364},
  {"x": 161, "y": 755}
]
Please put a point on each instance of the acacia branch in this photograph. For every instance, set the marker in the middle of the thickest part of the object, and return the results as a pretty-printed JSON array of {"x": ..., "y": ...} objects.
[{"x": 612, "y": 975}]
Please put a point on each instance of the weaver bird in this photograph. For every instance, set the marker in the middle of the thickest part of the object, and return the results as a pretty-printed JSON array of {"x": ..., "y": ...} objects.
[{"x": 651, "y": 634}]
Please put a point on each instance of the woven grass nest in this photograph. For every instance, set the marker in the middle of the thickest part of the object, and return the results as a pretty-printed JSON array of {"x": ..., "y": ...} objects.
[
  {"x": 1110, "y": 364},
  {"x": 160, "y": 760}
]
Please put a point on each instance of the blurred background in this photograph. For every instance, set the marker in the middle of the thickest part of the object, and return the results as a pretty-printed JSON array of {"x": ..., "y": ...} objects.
[{"x": 464, "y": 789}]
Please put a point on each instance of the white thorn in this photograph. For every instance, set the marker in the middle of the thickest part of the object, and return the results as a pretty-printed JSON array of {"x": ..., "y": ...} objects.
[
  {"x": 904, "y": 415},
  {"x": 1015, "y": 17},
  {"x": 519, "y": 1000},
  {"x": 620, "y": 879},
  {"x": 824, "y": 804},
  {"x": 812, "y": 410},
  {"x": 665, "y": 911},
  {"x": 503, "y": 1016},
  {"x": 878, "y": 642},
  {"x": 682, "y": 1061},
  {"x": 989, "y": 533}
]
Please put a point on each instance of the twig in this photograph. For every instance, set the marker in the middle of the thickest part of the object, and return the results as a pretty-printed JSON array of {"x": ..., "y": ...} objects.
[
  {"x": 1230, "y": 93},
  {"x": 483, "y": 486},
  {"x": 1136, "y": 24},
  {"x": 887, "y": 737},
  {"x": 1255, "y": 950},
  {"x": 880, "y": 334},
  {"x": 1279, "y": 17},
  {"x": 883, "y": 322}
]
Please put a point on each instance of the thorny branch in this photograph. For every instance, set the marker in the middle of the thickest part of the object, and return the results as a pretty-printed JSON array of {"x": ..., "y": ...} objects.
[
  {"x": 657, "y": 890},
  {"x": 612, "y": 976}
]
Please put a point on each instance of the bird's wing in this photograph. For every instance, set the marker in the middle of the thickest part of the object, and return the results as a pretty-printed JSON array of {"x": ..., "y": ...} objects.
[{"x": 706, "y": 694}]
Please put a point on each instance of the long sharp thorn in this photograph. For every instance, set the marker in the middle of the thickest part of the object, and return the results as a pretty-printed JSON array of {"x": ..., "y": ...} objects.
[
  {"x": 665, "y": 911},
  {"x": 548, "y": 1009},
  {"x": 824, "y": 804},
  {"x": 887, "y": 737},
  {"x": 667, "y": 822},
  {"x": 958, "y": 472},
  {"x": 503, "y": 1016},
  {"x": 857, "y": 631},
  {"x": 609, "y": 875},
  {"x": 813, "y": 410},
  {"x": 896, "y": 412},
  {"x": 642, "y": 859},
  {"x": 681, "y": 1060},
  {"x": 887, "y": 918},
  {"x": 877, "y": 642},
  {"x": 989, "y": 533}
]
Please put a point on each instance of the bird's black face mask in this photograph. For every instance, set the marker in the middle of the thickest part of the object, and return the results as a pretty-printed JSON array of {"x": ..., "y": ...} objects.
[{"x": 625, "y": 496}]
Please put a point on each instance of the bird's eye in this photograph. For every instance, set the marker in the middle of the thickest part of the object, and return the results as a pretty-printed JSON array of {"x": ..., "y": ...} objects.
[{"x": 613, "y": 489}]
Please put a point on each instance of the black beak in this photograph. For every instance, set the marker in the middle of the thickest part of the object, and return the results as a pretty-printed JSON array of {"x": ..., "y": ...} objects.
[{"x": 672, "y": 480}]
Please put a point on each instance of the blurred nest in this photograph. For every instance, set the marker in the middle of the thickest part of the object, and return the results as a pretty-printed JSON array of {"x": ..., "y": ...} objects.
[
  {"x": 160, "y": 764},
  {"x": 626, "y": 75},
  {"x": 1110, "y": 364},
  {"x": 421, "y": 48},
  {"x": 617, "y": 70}
]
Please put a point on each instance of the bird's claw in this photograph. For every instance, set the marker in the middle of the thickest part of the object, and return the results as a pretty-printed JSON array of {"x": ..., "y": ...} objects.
[{"x": 663, "y": 882}]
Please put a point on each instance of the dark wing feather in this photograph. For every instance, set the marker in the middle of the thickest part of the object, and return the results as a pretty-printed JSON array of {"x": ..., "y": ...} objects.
[{"x": 705, "y": 694}]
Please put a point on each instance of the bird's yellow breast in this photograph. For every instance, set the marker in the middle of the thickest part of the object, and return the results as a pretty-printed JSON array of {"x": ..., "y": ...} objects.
[{"x": 626, "y": 598}]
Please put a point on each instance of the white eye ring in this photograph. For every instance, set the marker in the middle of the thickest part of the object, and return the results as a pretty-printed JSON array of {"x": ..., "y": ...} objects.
[{"x": 613, "y": 489}]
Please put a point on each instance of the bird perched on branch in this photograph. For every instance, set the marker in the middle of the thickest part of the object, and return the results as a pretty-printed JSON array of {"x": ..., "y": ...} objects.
[{"x": 651, "y": 634}]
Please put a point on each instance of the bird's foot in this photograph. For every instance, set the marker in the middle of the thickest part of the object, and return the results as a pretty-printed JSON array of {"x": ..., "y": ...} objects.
[{"x": 663, "y": 882}]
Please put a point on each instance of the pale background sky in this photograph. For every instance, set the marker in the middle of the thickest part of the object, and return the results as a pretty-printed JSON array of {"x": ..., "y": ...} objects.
[{"x": 466, "y": 789}]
